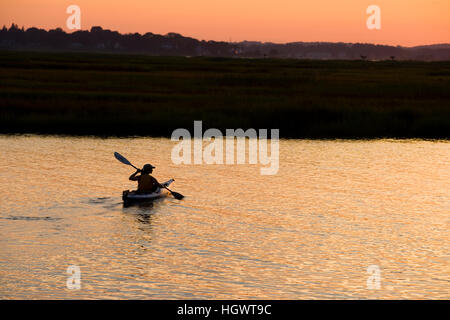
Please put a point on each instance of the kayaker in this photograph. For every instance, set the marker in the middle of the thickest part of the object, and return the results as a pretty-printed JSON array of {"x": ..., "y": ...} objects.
[{"x": 146, "y": 183}]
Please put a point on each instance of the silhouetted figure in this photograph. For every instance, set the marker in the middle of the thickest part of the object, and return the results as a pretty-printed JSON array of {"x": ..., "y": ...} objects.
[{"x": 146, "y": 182}]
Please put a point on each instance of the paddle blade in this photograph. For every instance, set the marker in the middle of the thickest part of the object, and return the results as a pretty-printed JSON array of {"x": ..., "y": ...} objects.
[
  {"x": 122, "y": 158},
  {"x": 177, "y": 195}
]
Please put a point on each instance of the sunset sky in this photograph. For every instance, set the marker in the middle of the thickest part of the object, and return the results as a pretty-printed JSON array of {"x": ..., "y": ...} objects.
[{"x": 403, "y": 22}]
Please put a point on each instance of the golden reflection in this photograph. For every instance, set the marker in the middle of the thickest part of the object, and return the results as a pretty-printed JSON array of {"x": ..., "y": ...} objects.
[{"x": 311, "y": 231}]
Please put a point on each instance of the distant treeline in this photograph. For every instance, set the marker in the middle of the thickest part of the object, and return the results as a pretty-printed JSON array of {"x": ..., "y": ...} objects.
[{"x": 173, "y": 44}]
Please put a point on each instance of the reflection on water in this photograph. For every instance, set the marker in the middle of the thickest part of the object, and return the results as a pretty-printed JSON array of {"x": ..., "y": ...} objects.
[{"x": 335, "y": 208}]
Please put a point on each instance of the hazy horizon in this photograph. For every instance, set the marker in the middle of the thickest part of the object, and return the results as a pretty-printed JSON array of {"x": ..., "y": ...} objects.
[{"x": 404, "y": 23}]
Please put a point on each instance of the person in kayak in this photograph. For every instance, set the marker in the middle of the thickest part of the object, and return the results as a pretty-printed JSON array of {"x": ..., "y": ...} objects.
[{"x": 146, "y": 183}]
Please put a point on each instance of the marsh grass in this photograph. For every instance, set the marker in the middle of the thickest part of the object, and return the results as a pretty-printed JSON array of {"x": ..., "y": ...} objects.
[{"x": 101, "y": 94}]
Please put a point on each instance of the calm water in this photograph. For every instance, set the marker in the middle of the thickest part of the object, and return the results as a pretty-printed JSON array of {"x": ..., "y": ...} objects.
[{"x": 311, "y": 231}]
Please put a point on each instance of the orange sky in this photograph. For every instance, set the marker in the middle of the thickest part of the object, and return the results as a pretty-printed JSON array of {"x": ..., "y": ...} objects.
[{"x": 404, "y": 22}]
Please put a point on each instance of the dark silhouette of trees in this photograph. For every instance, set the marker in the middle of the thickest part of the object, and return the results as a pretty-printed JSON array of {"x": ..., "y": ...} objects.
[{"x": 101, "y": 40}]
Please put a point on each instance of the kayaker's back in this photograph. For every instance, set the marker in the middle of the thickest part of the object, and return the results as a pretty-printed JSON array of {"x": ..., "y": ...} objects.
[{"x": 147, "y": 184}]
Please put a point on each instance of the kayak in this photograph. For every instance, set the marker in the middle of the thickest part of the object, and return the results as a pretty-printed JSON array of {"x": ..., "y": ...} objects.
[{"x": 130, "y": 197}]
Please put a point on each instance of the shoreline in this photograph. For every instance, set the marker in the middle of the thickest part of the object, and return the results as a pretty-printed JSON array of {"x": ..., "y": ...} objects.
[{"x": 105, "y": 137}]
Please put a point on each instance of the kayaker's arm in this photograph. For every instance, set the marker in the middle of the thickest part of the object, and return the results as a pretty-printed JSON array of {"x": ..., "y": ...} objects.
[
  {"x": 157, "y": 183},
  {"x": 133, "y": 176}
]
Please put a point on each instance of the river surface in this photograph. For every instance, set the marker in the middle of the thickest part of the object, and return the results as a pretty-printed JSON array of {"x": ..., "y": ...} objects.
[{"x": 309, "y": 232}]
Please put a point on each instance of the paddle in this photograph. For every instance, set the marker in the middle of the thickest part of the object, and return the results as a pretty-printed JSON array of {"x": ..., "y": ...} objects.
[{"x": 124, "y": 160}]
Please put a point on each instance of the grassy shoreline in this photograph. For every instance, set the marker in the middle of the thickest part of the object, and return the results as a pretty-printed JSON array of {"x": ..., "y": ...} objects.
[{"x": 129, "y": 95}]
